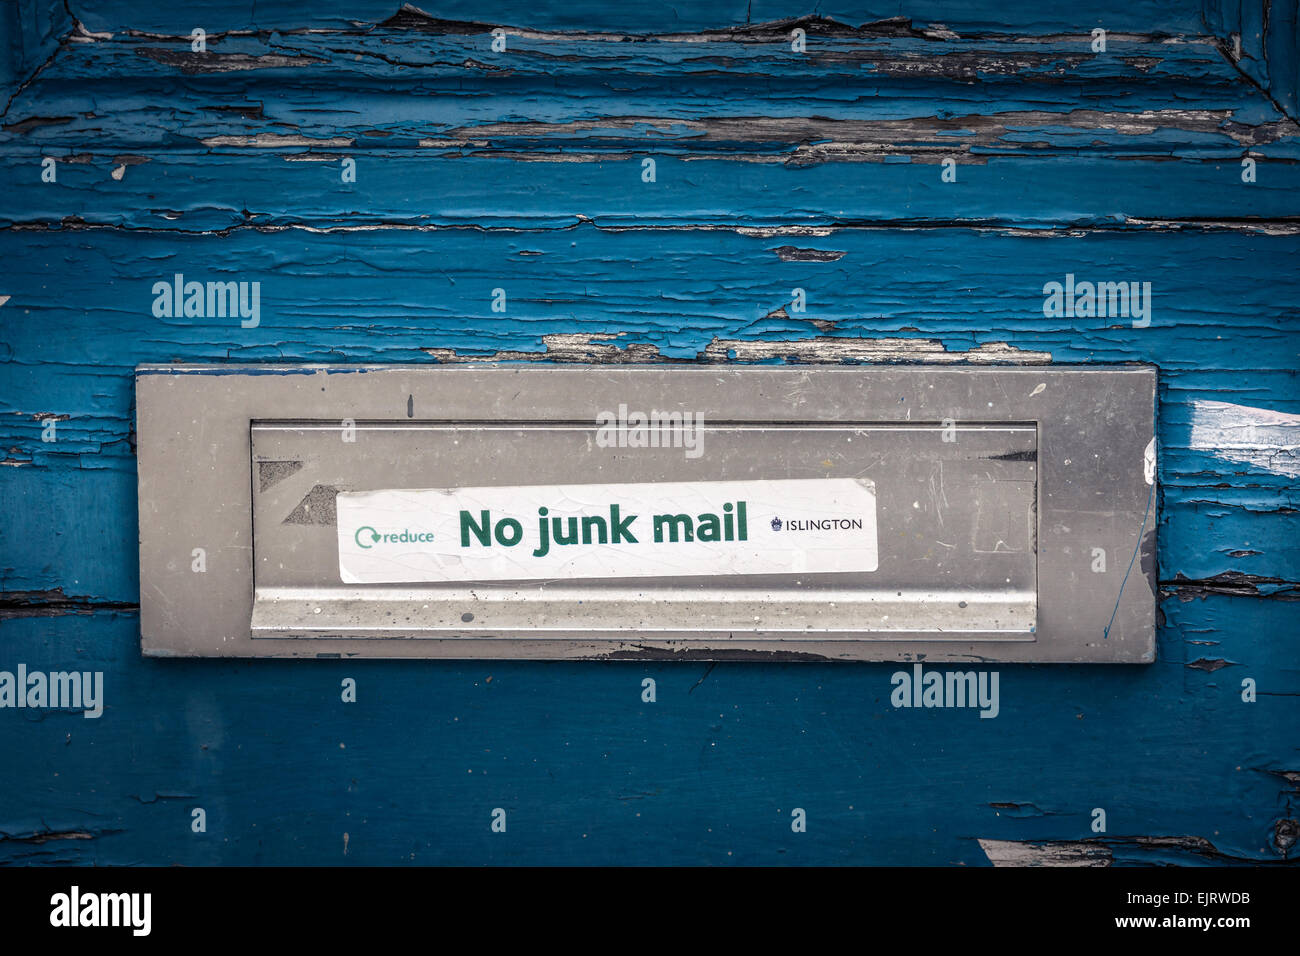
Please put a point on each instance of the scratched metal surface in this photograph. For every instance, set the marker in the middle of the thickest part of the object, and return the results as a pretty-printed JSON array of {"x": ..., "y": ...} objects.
[{"x": 522, "y": 170}]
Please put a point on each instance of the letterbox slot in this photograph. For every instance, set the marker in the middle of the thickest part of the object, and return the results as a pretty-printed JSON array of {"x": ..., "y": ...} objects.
[{"x": 692, "y": 512}]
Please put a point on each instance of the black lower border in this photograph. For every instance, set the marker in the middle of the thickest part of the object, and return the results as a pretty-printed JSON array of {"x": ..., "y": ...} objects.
[{"x": 441, "y": 906}]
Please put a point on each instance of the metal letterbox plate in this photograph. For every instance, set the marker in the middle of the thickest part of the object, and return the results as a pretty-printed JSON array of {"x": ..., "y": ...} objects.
[{"x": 869, "y": 513}]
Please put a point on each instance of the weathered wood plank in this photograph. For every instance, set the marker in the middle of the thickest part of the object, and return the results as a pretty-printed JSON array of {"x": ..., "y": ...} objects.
[
  {"x": 707, "y": 774},
  {"x": 862, "y": 98},
  {"x": 1007, "y": 16},
  {"x": 228, "y": 190}
]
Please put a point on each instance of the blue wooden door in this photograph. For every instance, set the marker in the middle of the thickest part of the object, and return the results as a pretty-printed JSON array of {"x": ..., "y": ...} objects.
[{"x": 711, "y": 182}]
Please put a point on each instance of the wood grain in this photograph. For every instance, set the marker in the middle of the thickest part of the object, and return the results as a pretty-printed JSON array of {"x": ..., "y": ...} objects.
[{"x": 523, "y": 171}]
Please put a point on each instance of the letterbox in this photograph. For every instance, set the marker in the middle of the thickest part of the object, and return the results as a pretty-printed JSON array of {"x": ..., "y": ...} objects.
[{"x": 659, "y": 512}]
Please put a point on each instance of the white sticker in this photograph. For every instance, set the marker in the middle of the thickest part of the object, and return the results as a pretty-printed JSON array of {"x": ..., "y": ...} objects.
[{"x": 653, "y": 529}]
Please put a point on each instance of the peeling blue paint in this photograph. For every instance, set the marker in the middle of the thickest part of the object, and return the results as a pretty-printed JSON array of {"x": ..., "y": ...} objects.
[{"x": 524, "y": 172}]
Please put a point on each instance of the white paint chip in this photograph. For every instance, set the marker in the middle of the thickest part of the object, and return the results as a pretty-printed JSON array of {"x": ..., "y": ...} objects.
[
  {"x": 1258, "y": 437},
  {"x": 1059, "y": 853},
  {"x": 275, "y": 141}
]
